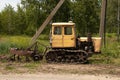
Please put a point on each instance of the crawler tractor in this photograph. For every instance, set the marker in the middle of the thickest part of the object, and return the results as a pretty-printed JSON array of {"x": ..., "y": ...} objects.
[{"x": 67, "y": 47}]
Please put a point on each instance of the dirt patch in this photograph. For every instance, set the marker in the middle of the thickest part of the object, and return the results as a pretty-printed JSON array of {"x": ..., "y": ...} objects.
[
  {"x": 49, "y": 76},
  {"x": 45, "y": 71},
  {"x": 81, "y": 69},
  {"x": 32, "y": 67},
  {"x": 8, "y": 67}
]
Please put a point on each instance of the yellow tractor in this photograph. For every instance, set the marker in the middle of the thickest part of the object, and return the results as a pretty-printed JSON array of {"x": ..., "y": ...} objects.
[{"x": 67, "y": 47}]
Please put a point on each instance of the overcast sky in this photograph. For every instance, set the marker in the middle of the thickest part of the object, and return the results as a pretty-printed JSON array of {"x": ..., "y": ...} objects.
[{"x": 13, "y": 3}]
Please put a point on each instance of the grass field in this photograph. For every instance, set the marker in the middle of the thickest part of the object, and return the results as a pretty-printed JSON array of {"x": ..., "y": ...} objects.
[
  {"x": 110, "y": 53},
  {"x": 6, "y": 42}
]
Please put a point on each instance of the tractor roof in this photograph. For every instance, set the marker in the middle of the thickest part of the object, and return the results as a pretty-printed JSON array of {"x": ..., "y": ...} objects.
[{"x": 63, "y": 23}]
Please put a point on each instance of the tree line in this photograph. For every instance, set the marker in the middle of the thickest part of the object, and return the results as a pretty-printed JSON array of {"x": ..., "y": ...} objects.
[{"x": 30, "y": 14}]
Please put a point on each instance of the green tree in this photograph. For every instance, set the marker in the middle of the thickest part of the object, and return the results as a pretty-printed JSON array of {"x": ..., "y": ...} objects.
[
  {"x": 34, "y": 14},
  {"x": 112, "y": 15},
  {"x": 31, "y": 14},
  {"x": 8, "y": 20},
  {"x": 20, "y": 20},
  {"x": 85, "y": 15},
  {"x": 0, "y": 24},
  {"x": 63, "y": 14}
]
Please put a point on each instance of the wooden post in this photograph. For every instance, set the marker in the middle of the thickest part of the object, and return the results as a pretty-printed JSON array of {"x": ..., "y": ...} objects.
[
  {"x": 102, "y": 29},
  {"x": 118, "y": 30}
]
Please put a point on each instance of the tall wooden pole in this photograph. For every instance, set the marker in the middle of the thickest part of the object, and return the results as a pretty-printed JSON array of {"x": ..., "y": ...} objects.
[
  {"x": 118, "y": 30},
  {"x": 102, "y": 29}
]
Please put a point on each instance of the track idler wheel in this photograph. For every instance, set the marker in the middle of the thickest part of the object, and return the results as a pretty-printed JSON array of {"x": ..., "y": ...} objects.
[
  {"x": 51, "y": 57},
  {"x": 59, "y": 58},
  {"x": 83, "y": 57},
  {"x": 37, "y": 57}
]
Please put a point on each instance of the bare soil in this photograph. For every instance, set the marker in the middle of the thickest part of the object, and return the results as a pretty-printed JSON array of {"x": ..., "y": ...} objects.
[
  {"x": 45, "y": 71},
  {"x": 49, "y": 76},
  {"x": 32, "y": 67}
]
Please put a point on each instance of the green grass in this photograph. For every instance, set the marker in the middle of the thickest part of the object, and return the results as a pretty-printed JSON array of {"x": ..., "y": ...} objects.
[
  {"x": 4, "y": 47},
  {"x": 31, "y": 65},
  {"x": 110, "y": 53},
  {"x": 9, "y": 67},
  {"x": 7, "y": 42}
]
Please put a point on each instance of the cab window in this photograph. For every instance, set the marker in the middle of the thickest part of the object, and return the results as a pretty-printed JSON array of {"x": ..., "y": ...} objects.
[
  {"x": 68, "y": 30},
  {"x": 57, "y": 30}
]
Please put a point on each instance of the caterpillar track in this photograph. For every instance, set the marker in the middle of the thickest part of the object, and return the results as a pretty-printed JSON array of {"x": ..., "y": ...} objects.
[{"x": 66, "y": 56}]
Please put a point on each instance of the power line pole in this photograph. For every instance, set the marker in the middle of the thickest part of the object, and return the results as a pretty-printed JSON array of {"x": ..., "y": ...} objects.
[
  {"x": 118, "y": 32},
  {"x": 102, "y": 30}
]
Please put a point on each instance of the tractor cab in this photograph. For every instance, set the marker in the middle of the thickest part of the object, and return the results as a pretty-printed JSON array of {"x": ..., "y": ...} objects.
[{"x": 63, "y": 35}]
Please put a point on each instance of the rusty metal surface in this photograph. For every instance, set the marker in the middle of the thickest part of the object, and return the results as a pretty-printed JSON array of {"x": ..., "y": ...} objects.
[{"x": 20, "y": 52}]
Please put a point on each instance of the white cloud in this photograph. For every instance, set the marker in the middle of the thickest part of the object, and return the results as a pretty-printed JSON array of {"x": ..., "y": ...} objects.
[{"x": 13, "y": 3}]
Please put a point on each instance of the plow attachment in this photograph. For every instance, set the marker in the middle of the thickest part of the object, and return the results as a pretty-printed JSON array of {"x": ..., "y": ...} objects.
[
  {"x": 31, "y": 52},
  {"x": 17, "y": 53}
]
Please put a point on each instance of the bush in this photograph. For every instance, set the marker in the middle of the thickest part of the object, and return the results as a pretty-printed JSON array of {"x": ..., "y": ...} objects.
[{"x": 4, "y": 47}]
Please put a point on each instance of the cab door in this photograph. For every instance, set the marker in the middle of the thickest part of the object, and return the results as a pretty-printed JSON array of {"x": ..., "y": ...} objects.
[
  {"x": 69, "y": 40},
  {"x": 57, "y": 37}
]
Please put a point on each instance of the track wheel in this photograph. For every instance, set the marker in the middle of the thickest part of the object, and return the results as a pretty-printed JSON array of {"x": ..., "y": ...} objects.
[
  {"x": 36, "y": 57},
  {"x": 72, "y": 60},
  {"x": 83, "y": 57},
  {"x": 51, "y": 57},
  {"x": 58, "y": 59}
]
